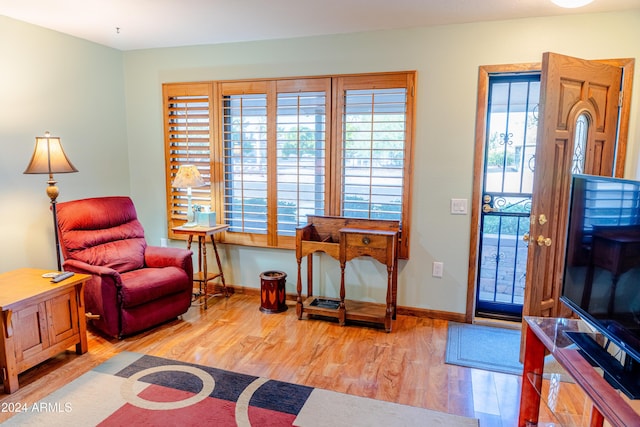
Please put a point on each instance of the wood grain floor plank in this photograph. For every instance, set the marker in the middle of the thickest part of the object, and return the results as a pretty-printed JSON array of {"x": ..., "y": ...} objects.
[{"x": 405, "y": 366}]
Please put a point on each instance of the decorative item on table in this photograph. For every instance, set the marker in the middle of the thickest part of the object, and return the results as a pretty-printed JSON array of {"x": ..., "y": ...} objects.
[
  {"x": 205, "y": 217},
  {"x": 187, "y": 177},
  {"x": 49, "y": 158}
]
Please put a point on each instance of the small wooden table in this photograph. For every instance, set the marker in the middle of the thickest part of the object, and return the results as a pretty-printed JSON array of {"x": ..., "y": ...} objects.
[
  {"x": 345, "y": 239},
  {"x": 203, "y": 276},
  {"x": 39, "y": 320}
]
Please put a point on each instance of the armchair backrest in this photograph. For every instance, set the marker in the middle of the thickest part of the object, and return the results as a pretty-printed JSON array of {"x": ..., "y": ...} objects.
[{"x": 102, "y": 231}]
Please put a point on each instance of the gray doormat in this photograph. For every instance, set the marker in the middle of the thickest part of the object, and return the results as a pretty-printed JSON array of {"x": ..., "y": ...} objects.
[{"x": 491, "y": 349}]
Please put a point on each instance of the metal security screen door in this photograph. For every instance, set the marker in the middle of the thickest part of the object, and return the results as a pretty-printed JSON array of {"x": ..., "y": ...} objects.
[{"x": 509, "y": 157}]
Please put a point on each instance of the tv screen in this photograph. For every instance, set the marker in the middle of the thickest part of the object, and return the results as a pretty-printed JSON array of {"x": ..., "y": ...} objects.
[{"x": 602, "y": 264}]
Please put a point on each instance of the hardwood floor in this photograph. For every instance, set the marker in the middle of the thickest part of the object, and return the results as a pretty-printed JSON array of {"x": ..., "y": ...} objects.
[{"x": 405, "y": 366}]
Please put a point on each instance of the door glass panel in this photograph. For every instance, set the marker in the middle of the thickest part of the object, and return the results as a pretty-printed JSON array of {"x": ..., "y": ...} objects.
[
  {"x": 580, "y": 143},
  {"x": 512, "y": 122}
]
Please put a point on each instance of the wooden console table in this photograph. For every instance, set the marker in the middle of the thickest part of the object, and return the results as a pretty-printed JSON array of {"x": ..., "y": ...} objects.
[
  {"x": 550, "y": 334},
  {"x": 203, "y": 277},
  {"x": 39, "y": 320},
  {"x": 344, "y": 239}
]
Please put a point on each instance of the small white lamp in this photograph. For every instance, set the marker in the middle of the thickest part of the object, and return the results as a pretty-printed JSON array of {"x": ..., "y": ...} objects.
[{"x": 188, "y": 176}]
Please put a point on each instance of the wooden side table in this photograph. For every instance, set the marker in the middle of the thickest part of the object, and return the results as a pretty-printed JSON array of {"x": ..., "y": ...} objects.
[
  {"x": 345, "y": 239},
  {"x": 39, "y": 319},
  {"x": 381, "y": 245},
  {"x": 203, "y": 276}
]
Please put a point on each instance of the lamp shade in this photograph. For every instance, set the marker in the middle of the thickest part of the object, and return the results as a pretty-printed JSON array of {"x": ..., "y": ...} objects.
[
  {"x": 49, "y": 157},
  {"x": 188, "y": 176}
]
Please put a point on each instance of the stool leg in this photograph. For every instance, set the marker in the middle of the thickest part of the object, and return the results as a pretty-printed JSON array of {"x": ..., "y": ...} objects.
[
  {"x": 189, "y": 241},
  {"x": 203, "y": 244},
  {"x": 215, "y": 250}
]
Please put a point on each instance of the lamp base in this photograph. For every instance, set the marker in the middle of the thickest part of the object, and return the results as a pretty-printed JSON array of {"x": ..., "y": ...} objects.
[{"x": 189, "y": 224}]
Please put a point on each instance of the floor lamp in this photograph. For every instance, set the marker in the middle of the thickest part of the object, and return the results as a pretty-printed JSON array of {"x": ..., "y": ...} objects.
[{"x": 49, "y": 158}]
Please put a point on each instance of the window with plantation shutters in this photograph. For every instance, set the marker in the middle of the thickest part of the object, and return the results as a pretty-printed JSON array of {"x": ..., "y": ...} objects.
[
  {"x": 188, "y": 141},
  {"x": 301, "y": 121},
  {"x": 274, "y": 151},
  {"x": 244, "y": 137},
  {"x": 374, "y": 125},
  {"x": 374, "y": 142}
]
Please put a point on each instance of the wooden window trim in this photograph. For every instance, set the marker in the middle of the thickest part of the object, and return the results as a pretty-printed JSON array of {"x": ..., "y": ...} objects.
[{"x": 216, "y": 90}]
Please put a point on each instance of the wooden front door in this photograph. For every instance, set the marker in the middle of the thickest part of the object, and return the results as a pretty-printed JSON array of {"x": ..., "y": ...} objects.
[{"x": 571, "y": 89}]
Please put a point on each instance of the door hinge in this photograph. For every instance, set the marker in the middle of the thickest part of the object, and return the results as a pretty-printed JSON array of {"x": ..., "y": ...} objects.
[{"x": 620, "y": 97}]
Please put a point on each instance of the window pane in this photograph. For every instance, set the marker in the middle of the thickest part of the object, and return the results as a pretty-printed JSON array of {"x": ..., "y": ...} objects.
[
  {"x": 373, "y": 153},
  {"x": 188, "y": 138},
  {"x": 511, "y": 134},
  {"x": 245, "y": 162},
  {"x": 301, "y": 121},
  {"x": 580, "y": 143}
]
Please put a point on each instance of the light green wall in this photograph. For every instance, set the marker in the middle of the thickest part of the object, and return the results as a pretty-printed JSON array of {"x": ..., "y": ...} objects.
[
  {"x": 447, "y": 60},
  {"x": 75, "y": 90}
]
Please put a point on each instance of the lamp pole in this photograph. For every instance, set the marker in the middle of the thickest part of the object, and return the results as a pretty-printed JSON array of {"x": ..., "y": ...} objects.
[{"x": 49, "y": 158}]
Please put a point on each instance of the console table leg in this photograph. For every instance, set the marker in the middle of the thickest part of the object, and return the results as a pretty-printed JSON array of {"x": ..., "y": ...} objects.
[
  {"x": 597, "y": 419},
  {"x": 342, "y": 310},
  {"x": 309, "y": 275},
  {"x": 531, "y": 380},
  {"x": 394, "y": 286},
  {"x": 390, "y": 309},
  {"x": 299, "y": 290}
]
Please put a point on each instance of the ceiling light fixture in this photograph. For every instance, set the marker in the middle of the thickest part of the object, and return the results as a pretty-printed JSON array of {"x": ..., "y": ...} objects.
[{"x": 571, "y": 3}]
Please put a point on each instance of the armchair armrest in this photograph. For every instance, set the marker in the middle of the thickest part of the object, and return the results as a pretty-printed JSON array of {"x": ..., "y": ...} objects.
[
  {"x": 82, "y": 267},
  {"x": 156, "y": 256},
  {"x": 101, "y": 294}
]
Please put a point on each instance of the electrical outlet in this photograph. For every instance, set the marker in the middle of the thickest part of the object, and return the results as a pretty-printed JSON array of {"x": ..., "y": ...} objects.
[
  {"x": 438, "y": 269},
  {"x": 163, "y": 242}
]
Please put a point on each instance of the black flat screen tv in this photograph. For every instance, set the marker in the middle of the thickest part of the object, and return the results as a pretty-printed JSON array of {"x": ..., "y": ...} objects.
[{"x": 601, "y": 281}]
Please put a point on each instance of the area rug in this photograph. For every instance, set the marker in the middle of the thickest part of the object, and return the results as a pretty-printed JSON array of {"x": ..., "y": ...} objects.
[
  {"x": 492, "y": 349},
  {"x": 135, "y": 389}
]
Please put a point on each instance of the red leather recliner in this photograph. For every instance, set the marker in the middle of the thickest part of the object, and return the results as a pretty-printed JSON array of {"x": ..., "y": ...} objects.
[{"x": 133, "y": 286}]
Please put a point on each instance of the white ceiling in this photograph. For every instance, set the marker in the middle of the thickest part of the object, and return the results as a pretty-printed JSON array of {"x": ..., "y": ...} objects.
[{"x": 142, "y": 24}]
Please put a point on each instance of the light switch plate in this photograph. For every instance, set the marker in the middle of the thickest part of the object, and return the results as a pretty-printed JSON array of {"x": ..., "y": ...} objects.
[
  {"x": 437, "y": 269},
  {"x": 458, "y": 206}
]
